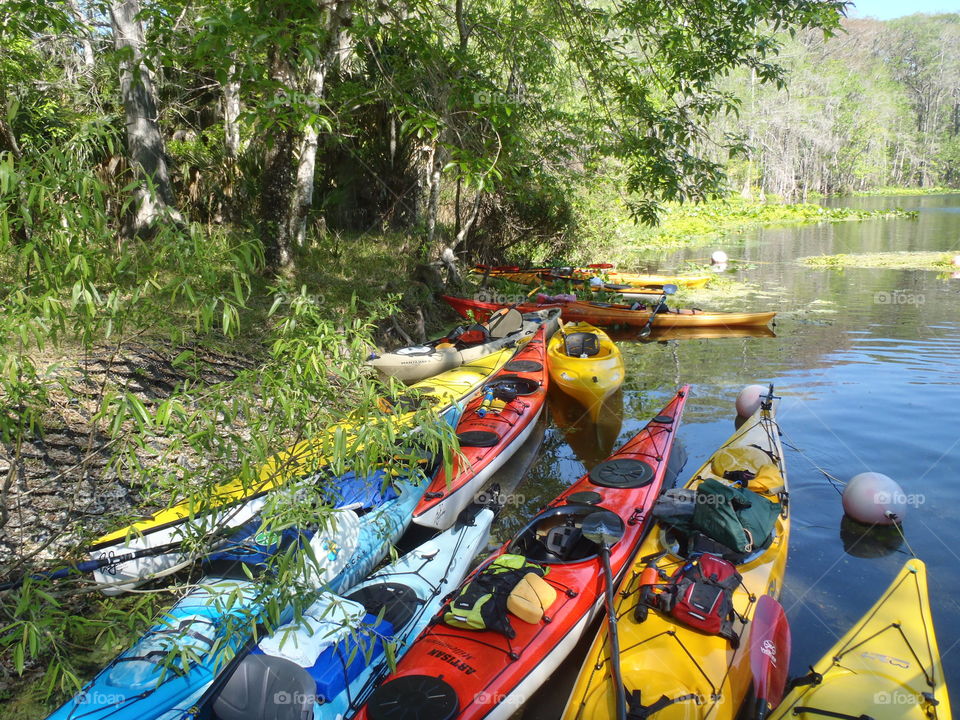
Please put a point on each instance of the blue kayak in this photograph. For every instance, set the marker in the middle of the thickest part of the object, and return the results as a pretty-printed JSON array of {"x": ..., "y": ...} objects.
[
  {"x": 216, "y": 620},
  {"x": 328, "y": 663}
]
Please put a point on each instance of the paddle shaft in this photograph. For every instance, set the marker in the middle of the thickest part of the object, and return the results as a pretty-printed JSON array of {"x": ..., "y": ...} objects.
[
  {"x": 614, "y": 639},
  {"x": 92, "y": 565},
  {"x": 662, "y": 303}
]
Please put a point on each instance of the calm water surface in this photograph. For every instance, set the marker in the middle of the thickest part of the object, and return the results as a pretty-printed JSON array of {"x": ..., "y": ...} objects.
[{"x": 868, "y": 365}]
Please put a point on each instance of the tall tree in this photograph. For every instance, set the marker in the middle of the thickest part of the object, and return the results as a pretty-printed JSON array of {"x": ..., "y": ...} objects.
[{"x": 154, "y": 199}]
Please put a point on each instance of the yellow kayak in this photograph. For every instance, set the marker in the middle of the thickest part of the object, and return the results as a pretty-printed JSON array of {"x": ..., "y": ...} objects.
[
  {"x": 233, "y": 503},
  {"x": 613, "y": 280},
  {"x": 640, "y": 280},
  {"x": 887, "y": 667},
  {"x": 670, "y": 670},
  {"x": 585, "y": 363}
]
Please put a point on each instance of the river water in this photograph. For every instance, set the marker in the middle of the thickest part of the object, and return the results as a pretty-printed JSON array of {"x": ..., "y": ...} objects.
[{"x": 867, "y": 363}]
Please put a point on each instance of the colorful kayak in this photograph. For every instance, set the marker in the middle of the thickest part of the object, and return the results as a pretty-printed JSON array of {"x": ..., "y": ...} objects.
[
  {"x": 598, "y": 278},
  {"x": 328, "y": 663},
  {"x": 234, "y": 504},
  {"x": 887, "y": 667},
  {"x": 670, "y": 669},
  {"x": 492, "y": 428},
  {"x": 586, "y": 364},
  {"x": 220, "y": 615},
  {"x": 455, "y": 672},
  {"x": 505, "y": 328},
  {"x": 613, "y": 315}
]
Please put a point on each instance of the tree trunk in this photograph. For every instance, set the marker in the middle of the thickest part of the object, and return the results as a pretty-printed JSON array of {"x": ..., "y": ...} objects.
[
  {"x": 8, "y": 139},
  {"x": 287, "y": 195},
  {"x": 433, "y": 200},
  {"x": 231, "y": 112},
  {"x": 154, "y": 199}
]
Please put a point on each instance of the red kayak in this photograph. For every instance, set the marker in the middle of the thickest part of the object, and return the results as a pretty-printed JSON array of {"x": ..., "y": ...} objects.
[
  {"x": 613, "y": 314},
  {"x": 454, "y": 672},
  {"x": 492, "y": 428}
]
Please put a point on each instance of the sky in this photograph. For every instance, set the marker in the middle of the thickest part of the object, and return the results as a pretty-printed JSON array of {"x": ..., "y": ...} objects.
[{"x": 886, "y": 9}]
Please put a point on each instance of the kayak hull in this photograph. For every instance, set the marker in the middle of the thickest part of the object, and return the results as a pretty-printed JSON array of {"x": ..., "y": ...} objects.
[
  {"x": 394, "y": 606},
  {"x": 614, "y": 315},
  {"x": 151, "y": 694},
  {"x": 611, "y": 279},
  {"x": 703, "y": 675},
  {"x": 491, "y": 675},
  {"x": 589, "y": 380},
  {"x": 880, "y": 667},
  {"x": 410, "y": 365},
  {"x": 232, "y": 504},
  {"x": 510, "y": 424}
]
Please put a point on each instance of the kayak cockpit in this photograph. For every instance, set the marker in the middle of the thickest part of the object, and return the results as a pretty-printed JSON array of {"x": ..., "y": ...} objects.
[{"x": 556, "y": 536}]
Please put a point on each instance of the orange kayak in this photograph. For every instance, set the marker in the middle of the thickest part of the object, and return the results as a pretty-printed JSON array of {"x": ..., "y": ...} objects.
[{"x": 606, "y": 315}]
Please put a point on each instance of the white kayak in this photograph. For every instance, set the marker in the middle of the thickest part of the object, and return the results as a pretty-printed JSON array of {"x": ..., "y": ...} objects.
[
  {"x": 505, "y": 328},
  {"x": 328, "y": 663}
]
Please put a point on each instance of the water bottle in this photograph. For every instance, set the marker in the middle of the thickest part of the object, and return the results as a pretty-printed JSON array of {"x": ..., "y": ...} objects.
[{"x": 487, "y": 400}]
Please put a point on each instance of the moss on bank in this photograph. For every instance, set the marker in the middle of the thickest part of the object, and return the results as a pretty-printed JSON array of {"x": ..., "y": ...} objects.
[{"x": 934, "y": 261}]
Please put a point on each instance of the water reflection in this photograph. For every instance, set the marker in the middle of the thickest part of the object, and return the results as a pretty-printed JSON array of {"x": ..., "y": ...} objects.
[
  {"x": 591, "y": 438},
  {"x": 867, "y": 541}
]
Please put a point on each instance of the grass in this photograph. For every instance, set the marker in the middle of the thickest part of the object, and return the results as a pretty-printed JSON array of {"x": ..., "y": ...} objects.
[
  {"x": 934, "y": 261},
  {"x": 884, "y": 191},
  {"x": 612, "y": 236}
]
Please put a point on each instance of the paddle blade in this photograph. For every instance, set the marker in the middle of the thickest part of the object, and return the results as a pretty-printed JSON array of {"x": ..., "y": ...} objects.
[
  {"x": 769, "y": 654},
  {"x": 603, "y": 527}
]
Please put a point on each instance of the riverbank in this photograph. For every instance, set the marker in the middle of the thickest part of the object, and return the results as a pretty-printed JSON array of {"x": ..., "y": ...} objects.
[{"x": 617, "y": 239}]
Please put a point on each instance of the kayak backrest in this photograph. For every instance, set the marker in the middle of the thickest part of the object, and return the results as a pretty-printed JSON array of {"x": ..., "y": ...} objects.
[
  {"x": 582, "y": 343},
  {"x": 254, "y": 688},
  {"x": 505, "y": 322}
]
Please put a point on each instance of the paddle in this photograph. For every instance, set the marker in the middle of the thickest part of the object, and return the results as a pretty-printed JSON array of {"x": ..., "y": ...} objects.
[
  {"x": 90, "y": 566},
  {"x": 604, "y": 528},
  {"x": 769, "y": 651},
  {"x": 661, "y": 305}
]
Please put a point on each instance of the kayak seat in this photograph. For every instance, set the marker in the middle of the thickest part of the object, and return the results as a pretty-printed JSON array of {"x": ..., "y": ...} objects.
[
  {"x": 398, "y": 602},
  {"x": 582, "y": 343},
  {"x": 505, "y": 322},
  {"x": 252, "y": 690},
  {"x": 478, "y": 438},
  {"x": 562, "y": 540}
]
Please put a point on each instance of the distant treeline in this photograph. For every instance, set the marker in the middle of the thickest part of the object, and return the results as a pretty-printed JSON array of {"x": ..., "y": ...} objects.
[{"x": 876, "y": 105}]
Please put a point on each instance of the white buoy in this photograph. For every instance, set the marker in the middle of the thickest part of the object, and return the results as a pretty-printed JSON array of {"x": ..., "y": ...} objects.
[
  {"x": 875, "y": 499},
  {"x": 719, "y": 257},
  {"x": 748, "y": 401},
  {"x": 719, "y": 267},
  {"x": 956, "y": 260}
]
